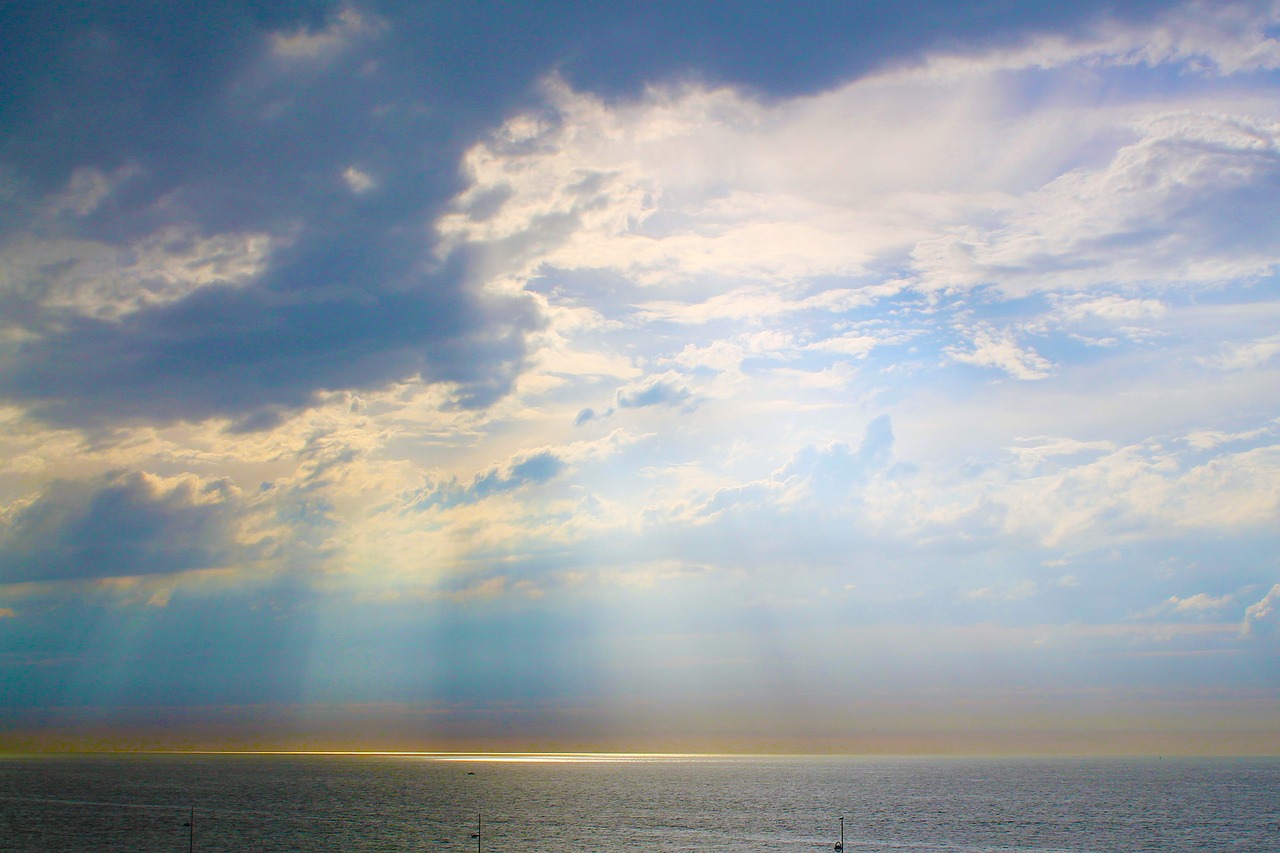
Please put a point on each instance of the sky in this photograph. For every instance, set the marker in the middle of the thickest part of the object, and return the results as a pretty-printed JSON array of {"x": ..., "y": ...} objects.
[{"x": 815, "y": 377}]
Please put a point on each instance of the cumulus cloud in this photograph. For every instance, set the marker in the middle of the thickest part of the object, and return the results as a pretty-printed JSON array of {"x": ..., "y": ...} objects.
[
  {"x": 643, "y": 184},
  {"x": 216, "y": 275},
  {"x": 665, "y": 389},
  {"x": 123, "y": 524},
  {"x": 835, "y": 468}
]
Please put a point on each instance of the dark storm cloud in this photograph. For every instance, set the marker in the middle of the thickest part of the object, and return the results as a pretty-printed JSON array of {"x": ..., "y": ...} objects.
[
  {"x": 208, "y": 130},
  {"x": 120, "y": 525}
]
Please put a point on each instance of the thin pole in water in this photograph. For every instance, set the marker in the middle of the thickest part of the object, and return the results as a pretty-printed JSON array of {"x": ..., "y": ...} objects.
[
  {"x": 191, "y": 836},
  {"x": 840, "y": 846},
  {"x": 477, "y": 832}
]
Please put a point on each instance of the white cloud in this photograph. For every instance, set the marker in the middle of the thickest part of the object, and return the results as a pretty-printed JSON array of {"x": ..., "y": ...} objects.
[
  {"x": 1000, "y": 349},
  {"x": 688, "y": 183},
  {"x": 1261, "y": 617},
  {"x": 1110, "y": 307},
  {"x": 1181, "y": 205},
  {"x": 1208, "y": 439},
  {"x": 1198, "y": 602},
  {"x": 1245, "y": 356},
  {"x": 1192, "y": 605},
  {"x": 1143, "y": 491},
  {"x": 1032, "y": 452},
  {"x": 1008, "y": 593}
]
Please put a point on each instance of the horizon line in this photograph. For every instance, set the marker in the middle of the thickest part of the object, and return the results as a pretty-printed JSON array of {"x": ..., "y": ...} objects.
[{"x": 586, "y": 755}]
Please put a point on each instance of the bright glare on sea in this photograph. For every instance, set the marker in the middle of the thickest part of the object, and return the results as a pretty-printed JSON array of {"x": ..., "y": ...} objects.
[{"x": 639, "y": 805}]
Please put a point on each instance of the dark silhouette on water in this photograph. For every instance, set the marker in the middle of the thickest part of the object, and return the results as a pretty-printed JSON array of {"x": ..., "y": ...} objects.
[{"x": 840, "y": 843}]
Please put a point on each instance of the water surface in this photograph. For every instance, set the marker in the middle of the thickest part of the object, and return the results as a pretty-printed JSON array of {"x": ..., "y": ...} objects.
[{"x": 789, "y": 805}]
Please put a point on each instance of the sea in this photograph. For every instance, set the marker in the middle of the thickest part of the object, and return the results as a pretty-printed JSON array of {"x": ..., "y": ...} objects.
[{"x": 637, "y": 804}]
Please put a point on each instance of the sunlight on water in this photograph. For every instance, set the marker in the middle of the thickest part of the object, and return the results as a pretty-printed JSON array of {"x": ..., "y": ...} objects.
[
  {"x": 575, "y": 757},
  {"x": 634, "y": 803},
  {"x": 483, "y": 757}
]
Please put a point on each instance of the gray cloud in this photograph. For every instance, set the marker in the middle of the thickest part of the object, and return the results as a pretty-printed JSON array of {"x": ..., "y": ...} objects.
[
  {"x": 254, "y": 353},
  {"x": 653, "y": 391},
  {"x": 541, "y": 467},
  {"x": 351, "y": 296},
  {"x": 120, "y": 525}
]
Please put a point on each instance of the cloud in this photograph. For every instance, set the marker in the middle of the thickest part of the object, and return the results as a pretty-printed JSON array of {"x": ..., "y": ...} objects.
[
  {"x": 1008, "y": 593},
  {"x": 1203, "y": 37},
  {"x": 1209, "y": 439},
  {"x": 1245, "y": 356},
  {"x": 690, "y": 183},
  {"x": 663, "y": 389},
  {"x": 123, "y": 524},
  {"x": 1193, "y": 605},
  {"x": 527, "y": 470},
  {"x": 359, "y": 182},
  {"x": 587, "y": 415},
  {"x": 1001, "y": 350},
  {"x": 1185, "y": 203},
  {"x": 253, "y": 354},
  {"x": 307, "y": 43},
  {"x": 54, "y": 278},
  {"x": 1109, "y": 307},
  {"x": 179, "y": 258},
  {"x": 1260, "y": 618},
  {"x": 833, "y": 469}
]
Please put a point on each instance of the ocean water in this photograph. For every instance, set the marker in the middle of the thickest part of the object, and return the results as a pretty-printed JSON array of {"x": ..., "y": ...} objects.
[{"x": 640, "y": 805}]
